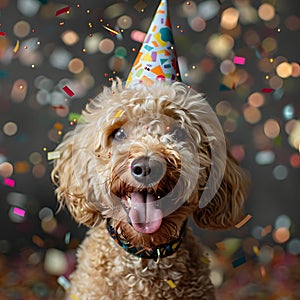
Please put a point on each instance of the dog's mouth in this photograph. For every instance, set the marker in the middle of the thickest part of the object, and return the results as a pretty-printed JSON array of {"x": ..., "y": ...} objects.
[{"x": 143, "y": 211}]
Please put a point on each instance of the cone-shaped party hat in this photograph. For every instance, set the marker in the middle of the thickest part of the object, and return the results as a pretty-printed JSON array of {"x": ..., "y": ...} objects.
[{"x": 157, "y": 59}]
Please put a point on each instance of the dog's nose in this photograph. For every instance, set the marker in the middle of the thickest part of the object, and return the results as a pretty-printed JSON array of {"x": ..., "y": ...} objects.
[{"x": 147, "y": 169}]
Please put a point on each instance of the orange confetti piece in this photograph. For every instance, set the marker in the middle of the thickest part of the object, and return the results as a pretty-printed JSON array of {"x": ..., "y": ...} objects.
[
  {"x": 266, "y": 230},
  {"x": 244, "y": 221},
  {"x": 221, "y": 246},
  {"x": 16, "y": 48}
]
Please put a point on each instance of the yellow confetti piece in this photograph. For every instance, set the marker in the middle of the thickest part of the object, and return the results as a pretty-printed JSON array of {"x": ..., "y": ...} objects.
[
  {"x": 53, "y": 155},
  {"x": 255, "y": 250},
  {"x": 119, "y": 113},
  {"x": 205, "y": 260},
  {"x": 74, "y": 297},
  {"x": 16, "y": 48},
  {"x": 244, "y": 221},
  {"x": 111, "y": 30},
  {"x": 171, "y": 283}
]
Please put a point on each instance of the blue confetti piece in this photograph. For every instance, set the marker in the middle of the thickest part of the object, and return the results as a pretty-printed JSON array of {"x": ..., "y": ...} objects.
[{"x": 239, "y": 261}]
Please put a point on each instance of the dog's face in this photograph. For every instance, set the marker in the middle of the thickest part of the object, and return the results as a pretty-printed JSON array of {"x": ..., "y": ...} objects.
[{"x": 144, "y": 160}]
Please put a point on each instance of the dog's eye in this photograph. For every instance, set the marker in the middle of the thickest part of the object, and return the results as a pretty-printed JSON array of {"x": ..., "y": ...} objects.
[
  {"x": 119, "y": 135},
  {"x": 178, "y": 134}
]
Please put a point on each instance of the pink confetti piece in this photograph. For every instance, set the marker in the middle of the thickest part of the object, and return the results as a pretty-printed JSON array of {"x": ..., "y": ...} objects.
[
  {"x": 2, "y": 33},
  {"x": 68, "y": 91},
  {"x": 266, "y": 90},
  {"x": 239, "y": 60},
  {"x": 62, "y": 10},
  {"x": 18, "y": 211},
  {"x": 9, "y": 182}
]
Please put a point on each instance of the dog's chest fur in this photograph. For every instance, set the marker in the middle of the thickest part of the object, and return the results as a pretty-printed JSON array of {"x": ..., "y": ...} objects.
[{"x": 108, "y": 272}]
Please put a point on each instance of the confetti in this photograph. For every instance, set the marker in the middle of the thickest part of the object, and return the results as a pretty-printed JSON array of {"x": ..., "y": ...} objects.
[
  {"x": 2, "y": 33},
  {"x": 171, "y": 283},
  {"x": 9, "y": 182},
  {"x": 53, "y": 155},
  {"x": 18, "y": 211},
  {"x": 16, "y": 48},
  {"x": 220, "y": 246},
  {"x": 64, "y": 282},
  {"x": 67, "y": 238},
  {"x": 205, "y": 260},
  {"x": 62, "y": 10},
  {"x": 224, "y": 87},
  {"x": 68, "y": 91},
  {"x": 111, "y": 30},
  {"x": 74, "y": 297},
  {"x": 256, "y": 250},
  {"x": 267, "y": 90},
  {"x": 38, "y": 241},
  {"x": 239, "y": 261},
  {"x": 244, "y": 221},
  {"x": 119, "y": 113},
  {"x": 238, "y": 60}
]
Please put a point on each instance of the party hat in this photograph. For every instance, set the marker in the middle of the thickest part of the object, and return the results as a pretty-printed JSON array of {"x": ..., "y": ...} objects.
[{"x": 157, "y": 59}]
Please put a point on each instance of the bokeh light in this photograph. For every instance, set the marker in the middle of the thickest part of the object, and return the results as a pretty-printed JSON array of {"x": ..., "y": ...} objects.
[
  {"x": 6, "y": 169},
  {"x": 70, "y": 37},
  {"x": 21, "y": 29},
  {"x": 271, "y": 128},
  {"x": 266, "y": 12},
  {"x": 251, "y": 114},
  {"x": 124, "y": 22},
  {"x": 229, "y": 18},
  {"x": 256, "y": 99},
  {"x": 10, "y": 128},
  {"x": 106, "y": 46},
  {"x": 281, "y": 235},
  {"x": 280, "y": 172},
  {"x": 284, "y": 70},
  {"x": 76, "y": 65}
]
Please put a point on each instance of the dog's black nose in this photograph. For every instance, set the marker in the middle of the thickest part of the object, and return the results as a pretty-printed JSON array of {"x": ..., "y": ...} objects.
[{"x": 147, "y": 169}]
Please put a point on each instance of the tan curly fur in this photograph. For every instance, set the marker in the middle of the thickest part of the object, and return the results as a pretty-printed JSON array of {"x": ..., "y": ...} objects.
[{"x": 93, "y": 176}]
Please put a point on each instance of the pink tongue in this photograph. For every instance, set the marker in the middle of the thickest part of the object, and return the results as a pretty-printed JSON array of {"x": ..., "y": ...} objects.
[{"x": 145, "y": 218}]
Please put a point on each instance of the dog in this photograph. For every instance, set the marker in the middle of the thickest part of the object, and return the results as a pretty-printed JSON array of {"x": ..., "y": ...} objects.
[{"x": 144, "y": 160}]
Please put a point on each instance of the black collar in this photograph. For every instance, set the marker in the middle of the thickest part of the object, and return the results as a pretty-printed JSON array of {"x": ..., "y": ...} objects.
[{"x": 155, "y": 253}]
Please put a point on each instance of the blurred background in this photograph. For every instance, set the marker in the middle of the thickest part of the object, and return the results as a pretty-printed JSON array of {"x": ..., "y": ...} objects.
[{"x": 243, "y": 54}]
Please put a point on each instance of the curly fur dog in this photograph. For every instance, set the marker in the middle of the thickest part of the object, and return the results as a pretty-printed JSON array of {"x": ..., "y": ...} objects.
[{"x": 134, "y": 172}]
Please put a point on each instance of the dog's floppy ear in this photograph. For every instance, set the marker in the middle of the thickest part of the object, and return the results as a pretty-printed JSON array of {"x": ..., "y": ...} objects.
[
  {"x": 71, "y": 176},
  {"x": 224, "y": 210}
]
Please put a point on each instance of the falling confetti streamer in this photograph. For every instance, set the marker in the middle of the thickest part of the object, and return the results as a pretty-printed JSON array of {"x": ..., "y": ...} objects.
[
  {"x": 171, "y": 283},
  {"x": 62, "y": 10},
  {"x": 53, "y": 155},
  {"x": 238, "y": 60},
  {"x": 18, "y": 211},
  {"x": 244, "y": 221},
  {"x": 68, "y": 91},
  {"x": 267, "y": 90},
  {"x": 239, "y": 261},
  {"x": 64, "y": 282},
  {"x": 16, "y": 48},
  {"x": 111, "y": 30},
  {"x": 9, "y": 182}
]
